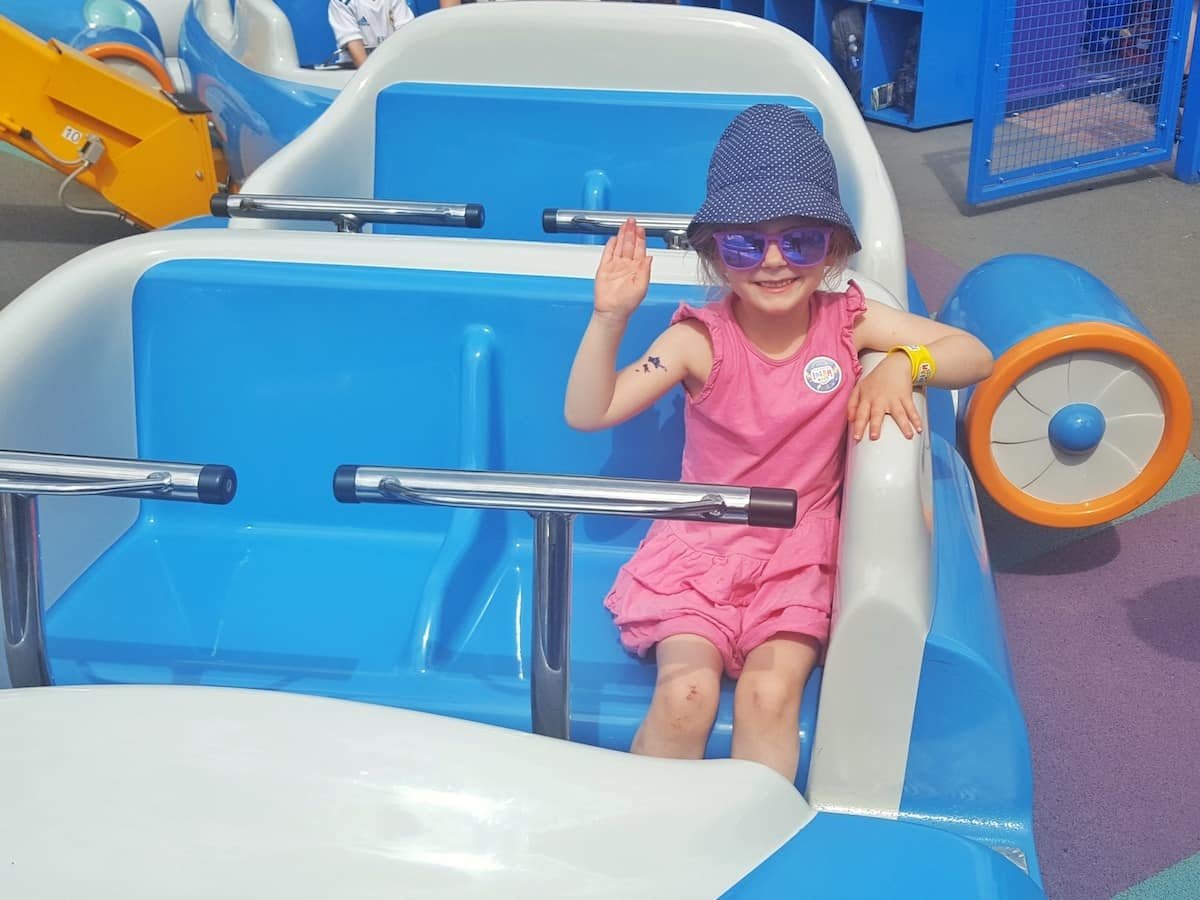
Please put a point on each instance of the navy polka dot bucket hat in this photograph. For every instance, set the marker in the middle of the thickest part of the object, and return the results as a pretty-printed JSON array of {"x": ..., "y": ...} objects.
[{"x": 771, "y": 163}]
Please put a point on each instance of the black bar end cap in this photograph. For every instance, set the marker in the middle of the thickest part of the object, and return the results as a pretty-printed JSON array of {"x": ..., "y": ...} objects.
[
  {"x": 343, "y": 484},
  {"x": 772, "y": 507},
  {"x": 216, "y": 484}
]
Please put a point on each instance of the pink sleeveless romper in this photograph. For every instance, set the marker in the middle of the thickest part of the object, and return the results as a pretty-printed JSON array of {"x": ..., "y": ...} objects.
[{"x": 757, "y": 422}]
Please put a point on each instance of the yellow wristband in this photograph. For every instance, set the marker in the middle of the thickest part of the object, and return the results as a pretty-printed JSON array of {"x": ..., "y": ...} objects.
[{"x": 921, "y": 361}]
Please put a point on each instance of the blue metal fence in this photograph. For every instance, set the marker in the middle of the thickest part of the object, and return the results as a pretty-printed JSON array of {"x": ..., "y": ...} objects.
[
  {"x": 1187, "y": 160},
  {"x": 1072, "y": 89}
]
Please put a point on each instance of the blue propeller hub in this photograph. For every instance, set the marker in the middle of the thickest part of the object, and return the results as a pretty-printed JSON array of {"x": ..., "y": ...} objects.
[{"x": 1077, "y": 428}]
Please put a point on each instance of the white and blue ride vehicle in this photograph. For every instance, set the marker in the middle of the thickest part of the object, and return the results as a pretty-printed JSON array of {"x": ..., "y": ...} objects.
[
  {"x": 349, "y": 407},
  {"x": 265, "y": 70}
]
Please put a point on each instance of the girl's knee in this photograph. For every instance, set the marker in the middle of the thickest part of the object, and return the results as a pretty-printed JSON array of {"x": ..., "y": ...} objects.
[
  {"x": 767, "y": 696},
  {"x": 687, "y": 704}
]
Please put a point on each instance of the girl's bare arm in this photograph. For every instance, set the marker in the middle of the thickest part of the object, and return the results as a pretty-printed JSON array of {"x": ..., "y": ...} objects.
[
  {"x": 599, "y": 397},
  {"x": 961, "y": 358}
]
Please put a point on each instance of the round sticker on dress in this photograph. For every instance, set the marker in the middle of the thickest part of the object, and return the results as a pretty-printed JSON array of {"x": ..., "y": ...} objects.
[{"x": 823, "y": 374}]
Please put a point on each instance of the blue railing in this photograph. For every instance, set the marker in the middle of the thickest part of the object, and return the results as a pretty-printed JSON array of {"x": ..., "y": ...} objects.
[{"x": 1072, "y": 89}]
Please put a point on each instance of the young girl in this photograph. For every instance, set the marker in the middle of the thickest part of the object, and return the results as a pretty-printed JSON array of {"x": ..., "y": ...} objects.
[{"x": 771, "y": 374}]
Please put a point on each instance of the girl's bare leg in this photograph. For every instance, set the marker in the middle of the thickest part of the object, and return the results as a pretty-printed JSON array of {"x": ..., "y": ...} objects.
[
  {"x": 685, "y": 699},
  {"x": 766, "y": 704}
]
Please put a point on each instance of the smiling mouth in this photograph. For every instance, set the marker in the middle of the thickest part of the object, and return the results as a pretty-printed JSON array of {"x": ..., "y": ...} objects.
[{"x": 776, "y": 285}]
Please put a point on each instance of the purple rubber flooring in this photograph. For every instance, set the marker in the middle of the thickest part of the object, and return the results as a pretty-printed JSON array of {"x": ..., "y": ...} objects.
[
  {"x": 1104, "y": 637},
  {"x": 936, "y": 275}
]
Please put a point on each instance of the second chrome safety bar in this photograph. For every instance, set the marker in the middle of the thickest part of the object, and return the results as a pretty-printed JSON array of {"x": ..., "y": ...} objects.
[
  {"x": 23, "y": 477},
  {"x": 347, "y": 213},
  {"x": 671, "y": 227},
  {"x": 553, "y": 500}
]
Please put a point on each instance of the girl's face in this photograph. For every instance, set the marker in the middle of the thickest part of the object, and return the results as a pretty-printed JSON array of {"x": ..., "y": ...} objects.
[{"x": 777, "y": 285}]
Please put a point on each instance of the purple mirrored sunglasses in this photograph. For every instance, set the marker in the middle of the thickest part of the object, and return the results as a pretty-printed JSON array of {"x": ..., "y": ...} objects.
[{"x": 802, "y": 247}]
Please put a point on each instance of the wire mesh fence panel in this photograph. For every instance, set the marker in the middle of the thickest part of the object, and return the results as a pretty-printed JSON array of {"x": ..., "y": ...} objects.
[{"x": 1072, "y": 89}]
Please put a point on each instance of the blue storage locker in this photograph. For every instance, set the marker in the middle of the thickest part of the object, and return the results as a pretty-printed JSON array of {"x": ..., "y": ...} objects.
[{"x": 947, "y": 60}]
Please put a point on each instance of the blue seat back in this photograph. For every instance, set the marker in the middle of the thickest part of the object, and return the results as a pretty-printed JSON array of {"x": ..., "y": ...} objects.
[
  {"x": 366, "y": 365},
  {"x": 519, "y": 150},
  {"x": 319, "y": 366},
  {"x": 314, "y": 38}
]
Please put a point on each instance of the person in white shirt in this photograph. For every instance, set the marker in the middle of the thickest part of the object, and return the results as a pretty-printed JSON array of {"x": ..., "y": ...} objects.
[{"x": 362, "y": 25}]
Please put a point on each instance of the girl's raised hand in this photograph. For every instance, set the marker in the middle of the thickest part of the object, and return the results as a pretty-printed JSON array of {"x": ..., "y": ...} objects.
[
  {"x": 885, "y": 391},
  {"x": 624, "y": 273}
]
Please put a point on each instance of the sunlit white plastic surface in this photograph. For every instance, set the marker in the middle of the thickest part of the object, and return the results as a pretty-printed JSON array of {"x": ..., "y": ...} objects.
[
  {"x": 258, "y": 34},
  {"x": 132, "y": 792},
  {"x": 216, "y": 17},
  {"x": 168, "y": 16},
  {"x": 881, "y": 620},
  {"x": 1134, "y": 420}
]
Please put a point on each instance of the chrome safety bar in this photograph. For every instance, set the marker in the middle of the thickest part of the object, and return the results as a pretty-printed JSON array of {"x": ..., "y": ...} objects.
[
  {"x": 347, "y": 213},
  {"x": 55, "y": 473},
  {"x": 554, "y": 500},
  {"x": 23, "y": 477},
  {"x": 671, "y": 227}
]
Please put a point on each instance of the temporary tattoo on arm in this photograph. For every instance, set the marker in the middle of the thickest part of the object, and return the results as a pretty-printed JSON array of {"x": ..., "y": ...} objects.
[{"x": 652, "y": 363}]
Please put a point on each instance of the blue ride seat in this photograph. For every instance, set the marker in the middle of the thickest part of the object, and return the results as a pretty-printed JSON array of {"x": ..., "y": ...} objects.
[
  {"x": 315, "y": 43},
  {"x": 519, "y": 150},
  {"x": 316, "y": 366}
]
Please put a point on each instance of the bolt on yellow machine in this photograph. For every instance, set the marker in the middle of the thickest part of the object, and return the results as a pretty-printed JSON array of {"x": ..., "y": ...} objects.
[{"x": 146, "y": 151}]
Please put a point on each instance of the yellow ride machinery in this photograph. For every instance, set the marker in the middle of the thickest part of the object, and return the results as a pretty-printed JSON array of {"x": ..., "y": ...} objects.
[{"x": 146, "y": 151}]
